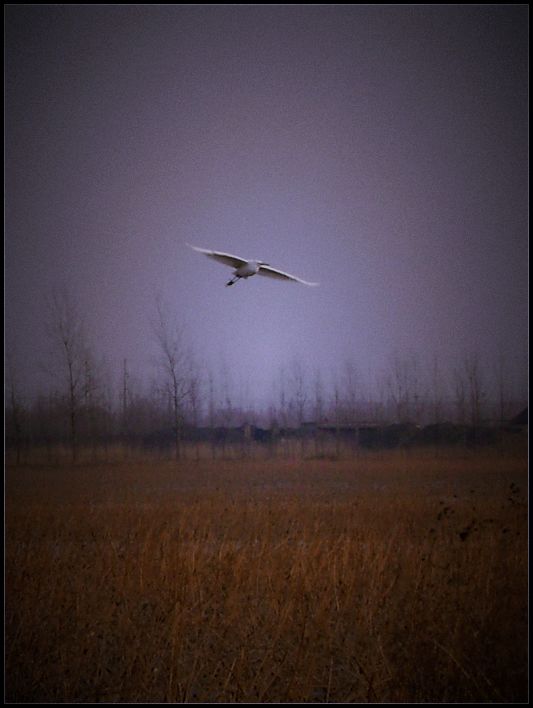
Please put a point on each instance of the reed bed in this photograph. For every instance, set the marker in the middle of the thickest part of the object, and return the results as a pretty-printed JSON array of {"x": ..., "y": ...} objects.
[{"x": 392, "y": 577}]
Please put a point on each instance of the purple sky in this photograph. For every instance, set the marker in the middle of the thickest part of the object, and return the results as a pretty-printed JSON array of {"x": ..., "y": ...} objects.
[{"x": 381, "y": 150}]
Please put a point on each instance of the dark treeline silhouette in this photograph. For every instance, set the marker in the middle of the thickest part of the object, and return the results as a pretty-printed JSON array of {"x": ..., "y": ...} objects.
[
  {"x": 206, "y": 420},
  {"x": 187, "y": 407}
]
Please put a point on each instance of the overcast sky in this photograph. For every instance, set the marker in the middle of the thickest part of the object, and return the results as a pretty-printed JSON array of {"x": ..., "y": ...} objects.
[{"x": 381, "y": 150}]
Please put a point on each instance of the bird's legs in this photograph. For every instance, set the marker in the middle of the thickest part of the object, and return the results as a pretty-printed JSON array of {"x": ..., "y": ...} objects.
[{"x": 233, "y": 280}]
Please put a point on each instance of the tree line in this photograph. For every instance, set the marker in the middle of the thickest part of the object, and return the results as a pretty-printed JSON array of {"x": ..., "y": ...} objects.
[{"x": 84, "y": 408}]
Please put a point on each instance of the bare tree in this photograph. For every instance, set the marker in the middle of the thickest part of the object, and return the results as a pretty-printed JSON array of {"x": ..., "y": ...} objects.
[
  {"x": 125, "y": 397},
  {"x": 319, "y": 396},
  {"x": 318, "y": 409},
  {"x": 196, "y": 395},
  {"x": 137, "y": 407},
  {"x": 351, "y": 390},
  {"x": 16, "y": 406},
  {"x": 437, "y": 390},
  {"x": 298, "y": 400},
  {"x": 227, "y": 394},
  {"x": 404, "y": 387},
  {"x": 92, "y": 398},
  {"x": 460, "y": 396},
  {"x": 476, "y": 390},
  {"x": 174, "y": 363},
  {"x": 212, "y": 413},
  {"x": 336, "y": 409},
  {"x": 283, "y": 404},
  {"x": 298, "y": 391},
  {"x": 379, "y": 396},
  {"x": 65, "y": 329},
  {"x": 502, "y": 388}
]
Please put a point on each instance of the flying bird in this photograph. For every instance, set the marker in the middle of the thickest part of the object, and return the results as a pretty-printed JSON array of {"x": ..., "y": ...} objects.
[{"x": 244, "y": 268}]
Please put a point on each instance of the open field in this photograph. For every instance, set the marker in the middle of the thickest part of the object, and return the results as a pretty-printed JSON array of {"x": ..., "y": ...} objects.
[{"x": 389, "y": 577}]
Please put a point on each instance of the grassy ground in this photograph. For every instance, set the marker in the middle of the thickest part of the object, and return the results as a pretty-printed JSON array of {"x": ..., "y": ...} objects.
[{"x": 392, "y": 577}]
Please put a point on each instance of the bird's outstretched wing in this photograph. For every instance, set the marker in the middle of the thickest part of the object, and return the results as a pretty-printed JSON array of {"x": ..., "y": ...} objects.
[
  {"x": 225, "y": 258},
  {"x": 280, "y": 275}
]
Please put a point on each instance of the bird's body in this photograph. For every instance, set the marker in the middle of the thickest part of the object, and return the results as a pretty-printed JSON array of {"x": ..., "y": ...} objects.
[
  {"x": 249, "y": 268},
  {"x": 244, "y": 268}
]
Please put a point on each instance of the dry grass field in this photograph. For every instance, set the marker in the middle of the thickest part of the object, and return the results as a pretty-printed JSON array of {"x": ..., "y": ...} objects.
[{"x": 389, "y": 577}]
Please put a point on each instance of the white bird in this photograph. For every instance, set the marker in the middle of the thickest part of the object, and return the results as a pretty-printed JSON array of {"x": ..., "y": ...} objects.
[{"x": 244, "y": 268}]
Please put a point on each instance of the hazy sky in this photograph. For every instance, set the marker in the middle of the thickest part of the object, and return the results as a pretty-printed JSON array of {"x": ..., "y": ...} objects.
[{"x": 379, "y": 149}]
